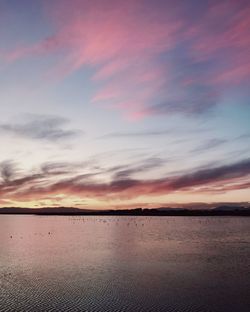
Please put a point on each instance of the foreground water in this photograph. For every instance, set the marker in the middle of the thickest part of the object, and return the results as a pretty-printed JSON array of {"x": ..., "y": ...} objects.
[{"x": 124, "y": 263}]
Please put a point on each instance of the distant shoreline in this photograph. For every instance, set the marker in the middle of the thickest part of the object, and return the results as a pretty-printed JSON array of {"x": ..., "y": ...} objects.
[{"x": 175, "y": 212}]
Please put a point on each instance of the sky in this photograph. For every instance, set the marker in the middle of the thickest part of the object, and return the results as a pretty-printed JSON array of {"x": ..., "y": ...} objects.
[{"x": 117, "y": 104}]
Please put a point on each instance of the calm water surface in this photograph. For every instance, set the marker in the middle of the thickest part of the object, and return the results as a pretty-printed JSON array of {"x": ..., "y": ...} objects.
[{"x": 124, "y": 264}]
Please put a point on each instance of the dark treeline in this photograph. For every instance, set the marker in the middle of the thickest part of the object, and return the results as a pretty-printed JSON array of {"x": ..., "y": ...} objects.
[{"x": 218, "y": 211}]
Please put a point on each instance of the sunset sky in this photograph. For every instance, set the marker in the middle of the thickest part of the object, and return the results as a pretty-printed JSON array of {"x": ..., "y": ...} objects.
[{"x": 113, "y": 103}]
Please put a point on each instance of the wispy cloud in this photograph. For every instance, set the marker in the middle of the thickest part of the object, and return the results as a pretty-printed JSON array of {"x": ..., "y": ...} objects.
[
  {"x": 40, "y": 127},
  {"x": 209, "y": 144},
  {"x": 125, "y": 172},
  {"x": 122, "y": 185},
  {"x": 153, "y": 133},
  {"x": 226, "y": 174},
  {"x": 152, "y": 59},
  {"x": 244, "y": 136},
  {"x": 8, "y": 170},
  {"x": 156, "y": 133}
]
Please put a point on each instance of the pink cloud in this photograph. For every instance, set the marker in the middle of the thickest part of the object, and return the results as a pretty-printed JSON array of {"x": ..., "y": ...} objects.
[
  {"x": 224, "y": 38},
  {"x": 37, "y": 186},
  {"x": 122, "y": 41},
  {"x": 107, "y": 93}
]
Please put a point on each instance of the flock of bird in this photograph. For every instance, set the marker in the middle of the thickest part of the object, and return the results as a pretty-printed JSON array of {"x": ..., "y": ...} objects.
[
  {"x": 110, "y": 221},
  {"x": 105, "y": 221}
]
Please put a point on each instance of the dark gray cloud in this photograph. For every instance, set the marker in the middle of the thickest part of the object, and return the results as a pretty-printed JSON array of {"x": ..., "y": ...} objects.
[
  {"x": 178, "y": 106},
  {"x": 209, "y": 144},
  {"x": 244, "y": 136},
  {"x": 154, "y": 133},
  {"x": 213, "y": 179},
  {"x": 124, "y": 172},
  {"x": 136, "y": 134},
  {"x": 8, "y": 170},
  {"x": 190, "y": 91},
  {"x": 59, "y": 168},
  {"x": 210, "y": 175},
  {"x": 40, "y": 127}
]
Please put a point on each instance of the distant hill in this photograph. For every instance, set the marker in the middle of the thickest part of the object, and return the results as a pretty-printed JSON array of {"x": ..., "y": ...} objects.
[
  {"x": 47, "y": 210},
  {"x": 225, "y": 210},
  {"x": 231, "y": 208}
]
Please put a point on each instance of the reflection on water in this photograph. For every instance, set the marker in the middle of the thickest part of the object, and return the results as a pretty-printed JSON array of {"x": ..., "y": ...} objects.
[{"x": 124, "y": 263}]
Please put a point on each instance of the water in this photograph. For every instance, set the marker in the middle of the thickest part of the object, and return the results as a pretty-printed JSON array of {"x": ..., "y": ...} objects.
[{"x": 124, "y": 263}]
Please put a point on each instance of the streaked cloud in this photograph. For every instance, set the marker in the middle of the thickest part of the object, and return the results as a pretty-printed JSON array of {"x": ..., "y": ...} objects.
[
  {"x": 8, "y": 170},
  {"x": 39, "y": 185},
  {"x": 156, "y": 132},
  {"x": 210, "y": 144},
  {"x": 136, "y": 134},
  {"x": 40, "y": 127},
  {"x": 124, "y": 172},
  {"x": 160, "y": 87},
  {"x": 159, "y": 59},
  {"x": 226, "y": 174}
]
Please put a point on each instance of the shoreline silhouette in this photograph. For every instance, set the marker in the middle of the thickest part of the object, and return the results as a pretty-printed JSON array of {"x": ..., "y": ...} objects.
[{"x": 163, "y": 211}]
